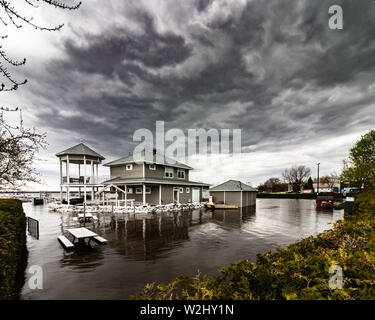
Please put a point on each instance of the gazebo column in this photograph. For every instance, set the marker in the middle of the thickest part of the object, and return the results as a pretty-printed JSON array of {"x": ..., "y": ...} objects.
[
  {"x": 61, "y": 180},
  {"x": 93, "y": 180},
  {"x": 144, "y": 193},
  {"x": 79, "y": 179},
  {"x": 84, "y": 178},
  {"x": 68, "y": 179}
]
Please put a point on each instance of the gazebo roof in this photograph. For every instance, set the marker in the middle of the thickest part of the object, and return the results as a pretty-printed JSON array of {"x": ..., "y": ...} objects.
[{"x": 80, "y": 150}]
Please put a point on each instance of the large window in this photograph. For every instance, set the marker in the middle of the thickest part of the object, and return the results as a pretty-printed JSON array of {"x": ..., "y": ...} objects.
[
  {"x": 168, "y": 173},
  {"x": 181, "y": 174}
]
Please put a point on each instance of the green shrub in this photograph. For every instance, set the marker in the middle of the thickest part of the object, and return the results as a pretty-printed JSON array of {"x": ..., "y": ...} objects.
[
  {"x": 13, "y": 251},
  {"x": 300, "y": 271}
]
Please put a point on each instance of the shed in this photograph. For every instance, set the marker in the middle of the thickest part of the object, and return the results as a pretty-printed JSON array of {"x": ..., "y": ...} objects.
[{"x": 234, "y": 192}]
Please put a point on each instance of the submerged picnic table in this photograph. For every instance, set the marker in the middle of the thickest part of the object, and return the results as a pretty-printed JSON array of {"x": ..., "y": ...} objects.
[{"x": 81, "y": 234}]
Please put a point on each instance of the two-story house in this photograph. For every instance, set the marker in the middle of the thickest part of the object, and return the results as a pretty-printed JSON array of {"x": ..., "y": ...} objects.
[{"x": 154, "y": 182}]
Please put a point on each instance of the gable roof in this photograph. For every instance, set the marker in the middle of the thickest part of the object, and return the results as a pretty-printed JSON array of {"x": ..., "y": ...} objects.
[
  {"x": 141, "y": 158},
  {"x": 81, "y": 150},
  {"x": 233, "y": 185}
]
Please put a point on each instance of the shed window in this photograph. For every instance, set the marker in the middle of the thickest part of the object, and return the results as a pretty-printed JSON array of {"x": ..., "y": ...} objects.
[
  {"x": 187, "y": 190},
  {"x": 152, "y": 167},
  {"x": 130, "y": 190},
  {"x": 181, "y": 190},
  {"x": 129, "y": 167}
]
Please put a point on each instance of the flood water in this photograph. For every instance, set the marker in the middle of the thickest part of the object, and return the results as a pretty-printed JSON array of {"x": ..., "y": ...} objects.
[{"x": 160, "y": 247}]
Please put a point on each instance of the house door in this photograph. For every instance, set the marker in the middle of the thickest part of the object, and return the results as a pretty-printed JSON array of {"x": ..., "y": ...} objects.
[
  {"x": 176, "y": 195},
  {"x": 195, "y": 195}
]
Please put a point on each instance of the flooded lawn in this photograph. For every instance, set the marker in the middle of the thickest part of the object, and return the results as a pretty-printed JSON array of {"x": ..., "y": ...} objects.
[{"x": 154, "y": 248}]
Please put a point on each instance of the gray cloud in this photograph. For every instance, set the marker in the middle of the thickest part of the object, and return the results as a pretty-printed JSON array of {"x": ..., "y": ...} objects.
[{"x": 271, "y": 68}]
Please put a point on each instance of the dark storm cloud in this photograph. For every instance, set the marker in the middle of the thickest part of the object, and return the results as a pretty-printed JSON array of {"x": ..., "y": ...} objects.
[{"x": 268, "y": 69}]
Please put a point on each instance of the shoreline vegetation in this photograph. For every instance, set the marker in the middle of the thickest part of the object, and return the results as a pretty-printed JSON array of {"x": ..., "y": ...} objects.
[
  {"x": 299, "y": 271},
  {"x": 13, "y": 250},
  {"x": 307, "y": 196}
]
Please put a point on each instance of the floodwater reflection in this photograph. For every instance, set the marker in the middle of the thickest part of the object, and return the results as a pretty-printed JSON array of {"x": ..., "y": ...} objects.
[{"x": 153, "y": 248}]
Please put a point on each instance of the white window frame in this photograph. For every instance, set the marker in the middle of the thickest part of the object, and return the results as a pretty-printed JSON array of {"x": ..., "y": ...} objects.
[
  {"x": 149, "y": 190},
  {"x": 137, "y": 190},
  {"x": 179, "y": 171},
  {"x": 167, "y": 174},
  {"x": 152, "y": 166},
  {"x": 187, "y": 190},
  {"x": 130, "y": 190},
  {"x": 129, "y": 167},
  {"x": 181, "y": 189}
]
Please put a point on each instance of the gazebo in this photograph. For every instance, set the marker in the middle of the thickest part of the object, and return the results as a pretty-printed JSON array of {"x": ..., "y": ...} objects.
[{"x": 76, "y": 177}]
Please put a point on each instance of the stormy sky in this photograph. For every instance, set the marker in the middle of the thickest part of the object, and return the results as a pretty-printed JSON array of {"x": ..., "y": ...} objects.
[{"x": 300, "y": 92}]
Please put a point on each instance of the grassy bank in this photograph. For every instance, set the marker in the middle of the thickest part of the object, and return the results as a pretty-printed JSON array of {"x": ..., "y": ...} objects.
[
  {"x": 13, "y": 251},
  {"x": 300, "y": 271}
]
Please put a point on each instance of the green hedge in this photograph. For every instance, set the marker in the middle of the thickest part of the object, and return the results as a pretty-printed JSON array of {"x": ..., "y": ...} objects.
[
  {"x": 300, "y": 271},
  {"x": 13, "y": 250}
]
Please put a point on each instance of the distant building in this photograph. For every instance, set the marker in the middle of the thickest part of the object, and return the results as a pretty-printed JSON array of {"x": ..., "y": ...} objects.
[{"x": 234, "y": 192}]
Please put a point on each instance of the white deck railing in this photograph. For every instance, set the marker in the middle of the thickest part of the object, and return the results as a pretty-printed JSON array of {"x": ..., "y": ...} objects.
[{"x": 81, "y": 180}]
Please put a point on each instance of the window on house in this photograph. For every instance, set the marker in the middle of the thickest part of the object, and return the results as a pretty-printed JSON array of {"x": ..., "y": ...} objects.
[
  {"x": 130, "y": 190},
  {"x": 129, "y": 167},
  {"x": 139, "y": 190},
  {"x": 168, "y": 173},
  {"x": 152, "y": 167},
  {"x": 181, "y": 190},
  {"x": 187, "y": 190},
  {"x": 181, "y": 174}
]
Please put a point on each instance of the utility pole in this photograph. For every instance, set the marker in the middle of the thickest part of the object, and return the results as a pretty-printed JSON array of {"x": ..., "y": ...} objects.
[{"x": 317, "y": 189}]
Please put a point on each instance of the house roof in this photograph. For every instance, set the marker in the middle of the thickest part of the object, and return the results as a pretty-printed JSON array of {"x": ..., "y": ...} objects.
[
  {"x": 233, "y": 185},
  {"x": 140, "y": 157},
  {"x": 155, "y": 181},
  {"x": 81, "y": 150}
]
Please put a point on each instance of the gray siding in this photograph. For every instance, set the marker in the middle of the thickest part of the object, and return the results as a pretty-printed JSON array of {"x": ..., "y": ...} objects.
[
  {"x": 234, "y": 198},
  {"x": 121, "y": 172},
  {"x": 166, "y": 194},
  {"x": 137, "y": 172}
]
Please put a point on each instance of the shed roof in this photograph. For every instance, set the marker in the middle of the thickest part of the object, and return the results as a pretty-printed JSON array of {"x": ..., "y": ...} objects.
[
  {"x": 140, "y": 157},
  {"x": 233, "y": 185},
  {"x": 80, "y": 149}
]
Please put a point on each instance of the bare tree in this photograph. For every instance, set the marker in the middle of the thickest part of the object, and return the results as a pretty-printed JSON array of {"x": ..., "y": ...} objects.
[
  {"x": 18, "y": 146},
  {"x": 330, "y": 180},
  {"x": 10, "y": 15},
  {"x": 297, "y": 177}
]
